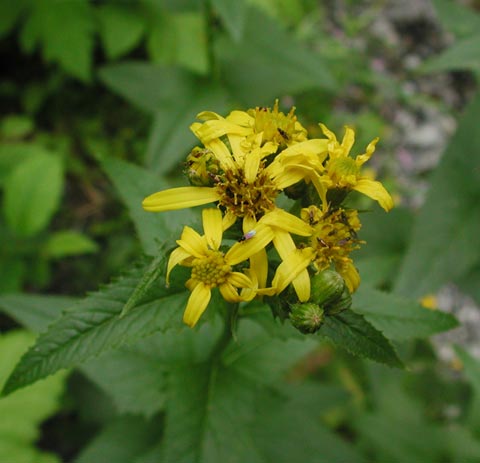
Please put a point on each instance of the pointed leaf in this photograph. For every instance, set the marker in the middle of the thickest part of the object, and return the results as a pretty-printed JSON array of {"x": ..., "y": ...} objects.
[
  {"x": 444, "y": 244},
  {"x": 94, "y": 326},
  {"x": 353, "y": 333}
]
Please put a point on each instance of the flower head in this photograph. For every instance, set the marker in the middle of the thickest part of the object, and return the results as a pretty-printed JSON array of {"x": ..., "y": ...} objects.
[{"x": 211, "y": 267}]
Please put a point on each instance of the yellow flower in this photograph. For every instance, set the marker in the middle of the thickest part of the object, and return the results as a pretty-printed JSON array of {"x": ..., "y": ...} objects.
[
  {"x": 334, "y": 237},
  {"x": 211, "y": 267},
  {"x": 342, "y": 171}
]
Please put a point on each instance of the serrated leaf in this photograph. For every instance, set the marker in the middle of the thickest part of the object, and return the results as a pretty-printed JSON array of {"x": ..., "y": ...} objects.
[
  {"x": 463, "y": 55},
  {"x": 133, "y": 184},
  {"x": 353, "y": 333},
  {"x": 147, "y": 86},
  {"x": 35, "y": 312},
  {"x": 31, "y": 199},
  {"x": 444, "y": 244},
  {"x": 457, "y": 18},
  {"x": 121, "y": 441},
  {"x": 122, "y": 28},
  {"x": 94, "y": 327},
  {"x": 69, "y": 243},
  {"x": 276, "y": 63},
  {"x": 170, "y": 139},
  {"x": 400, "y": 318},
  {"x": 22, "y": 413},
  {"x": 233, "y": 15},
  {"x": 65, "y": 33}
]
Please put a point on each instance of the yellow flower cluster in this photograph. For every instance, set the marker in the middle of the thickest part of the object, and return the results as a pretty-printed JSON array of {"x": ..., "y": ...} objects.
[{"x": 246, "y": 161}]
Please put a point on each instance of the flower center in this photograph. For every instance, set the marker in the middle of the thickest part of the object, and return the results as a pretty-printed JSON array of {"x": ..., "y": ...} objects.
[
  {"x": 334, "y": 236},
  {"x": 343, "y": 171},
  {"x": 242, "y": 198},
  {"x": 211, "y": 269}
]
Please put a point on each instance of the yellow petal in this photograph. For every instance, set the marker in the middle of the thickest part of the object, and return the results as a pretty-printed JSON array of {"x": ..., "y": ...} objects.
[
  {"x": 301, "y": 284},
  {"x": 284, "y": 244},
  {"x": 239, "y": 279},
  {"x": 192, "y": 242},
  {"x": 316, "y": 146},
  {"x": 240, "y": 252},
  {"x": 241, "y": 118},
  {"x": 221, "y": 152},
  {"x": 197, "y": 303},
  {"x": 291, "y": 267},
  {"x": 213, "y": 227},
  {"x": 362, "y": 158},
  {"x": 289, "y": 176},
  {"x": 179, "y": 198},
  {"x": 259, "y": 266},
  {"x": 228, "y": 220},
  {"x": 376, "y": 191},
  {"x": 176, "y": 256},
  {"x": 348, "y": 139},
  {"x": 350, "y": 275},
  {"x": 252, "y": 163},
  {"x": 229, "y": 292},
  {"x": 328, "y": 133},
  {"x": 249, "y": 223},
  {"x": 283, "y": 220}
]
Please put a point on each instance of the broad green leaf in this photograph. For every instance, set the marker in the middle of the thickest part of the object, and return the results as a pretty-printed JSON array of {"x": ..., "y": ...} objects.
[
  {"x": 32, "y": 193},
  {"x": 13, "y": 270},
  {"x": 287, "y": 433},
  {"x": 233, "y": 15},
  {"x": 400, "y": 318},
  {"x": 68, "y": 243},
  {"x": 35, "y": 312},
  {"x": 170, "y": 138},
  {"x": 444, "y": 243},
  {"x": 353, "y": 333},
  {"x": 13, "y": 154},
  {"x": 133, "y": 184},
  {"x": 10, "y": 13},
  {"x": 94, "y": 326},
  {"x": 269, "y": 62},
  {"x": 461, "y": 20},
  {"x": 22, "y": 413},
  {"x": 64, "y": 32},
  {"x": 209, "y": 399},
  {"x": 122, "y": 28},
  {"x": 121, "y": 441},
  {"x": 463, "y": 55},
  {"x": 180, "y": 39},
  {"x": 386, "y": 236},
  {"x": 150, "y": 87},
  {"x": 16, "y": 127}
]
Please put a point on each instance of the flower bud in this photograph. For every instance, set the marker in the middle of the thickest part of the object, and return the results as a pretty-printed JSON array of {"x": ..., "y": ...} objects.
[
  {"x": 306, "y": 317},
  {"x": 327, "y": 287},
  {"x": 343, "y": 303},
  {"x": 202, "y": 168}
]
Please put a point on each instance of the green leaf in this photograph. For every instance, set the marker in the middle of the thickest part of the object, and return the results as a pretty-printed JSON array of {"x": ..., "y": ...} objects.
[
  {"x": 269, "y": 62},
  {"x": 463, "y": 55},
  {"x": 22, "y": 413},
  {"x": 469, "y": 284},
  {"x": 170, "y": 138},
  {"x": 444, "y": 243},
  {"x": 94, "y": 326},
  {"x": 31, "y": 199},
  {"x": 457, "y": 18},
  {"x": 35, "y": 312},
  {"x": 353, "y": 333},
  {"x": 16, "y": 127},
  {"x": 122, "y": 28},
  {"x": 233, "y": 15},
  {"x": 69, "y": 243},
  {"x": 180, "y": 39},
  {"x": 65, "y": 33},
  {"x": 133, "y": 184},
  {"x": 150, "y": 87},
  {"x": 400, "y": 318},
  {"x": 13, "y": 154},
  {"x": 121, "y": 441},
  {"x": 10, "y": 13}
]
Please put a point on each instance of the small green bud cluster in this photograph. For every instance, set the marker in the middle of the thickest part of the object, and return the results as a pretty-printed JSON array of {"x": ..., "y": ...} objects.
[{"x": 329, "y": 296}]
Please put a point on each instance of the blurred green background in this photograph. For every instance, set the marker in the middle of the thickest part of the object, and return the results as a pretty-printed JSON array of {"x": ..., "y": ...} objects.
[{"x": 97, "y": 98}]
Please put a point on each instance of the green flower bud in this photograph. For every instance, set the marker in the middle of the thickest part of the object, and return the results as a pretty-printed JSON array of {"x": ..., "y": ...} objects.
[
  {"x": 327, "y": 286},
  {"x": 306, "y": 317},
  {"x": 343, "y": 303},
  {"x": 202, "y": 168}
]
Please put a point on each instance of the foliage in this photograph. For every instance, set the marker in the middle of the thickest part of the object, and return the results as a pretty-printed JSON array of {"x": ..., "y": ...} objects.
[{"x": 98, "y": 104}]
